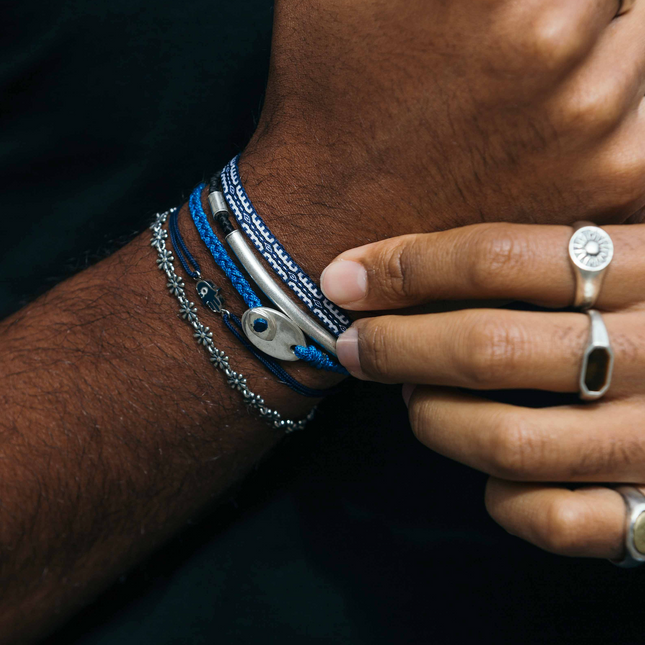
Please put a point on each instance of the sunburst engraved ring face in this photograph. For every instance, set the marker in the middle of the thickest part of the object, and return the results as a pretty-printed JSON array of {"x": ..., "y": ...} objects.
[{"x": 591, "y": 248}]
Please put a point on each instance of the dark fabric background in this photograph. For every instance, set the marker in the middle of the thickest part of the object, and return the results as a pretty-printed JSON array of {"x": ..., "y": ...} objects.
[{"x": 351, "y": 532}]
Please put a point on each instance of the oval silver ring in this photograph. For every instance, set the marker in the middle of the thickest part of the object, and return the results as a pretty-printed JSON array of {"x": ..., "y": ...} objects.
[
  {"x": 634, "y": 527},
  {"x": 591, "y": 252}
]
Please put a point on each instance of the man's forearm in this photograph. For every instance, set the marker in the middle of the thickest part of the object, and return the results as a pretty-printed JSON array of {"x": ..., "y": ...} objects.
[{"x": 116, "y": 428}]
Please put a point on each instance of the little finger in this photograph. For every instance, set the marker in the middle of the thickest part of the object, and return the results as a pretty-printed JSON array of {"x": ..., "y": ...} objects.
[{"x": 586, "y": 522}]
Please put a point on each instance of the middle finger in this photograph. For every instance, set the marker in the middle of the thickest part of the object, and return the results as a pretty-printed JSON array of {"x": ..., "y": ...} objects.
[{"x": 490, "y": 349}]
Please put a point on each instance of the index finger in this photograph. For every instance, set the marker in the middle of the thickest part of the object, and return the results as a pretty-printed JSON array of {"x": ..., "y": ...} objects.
[{"x": 482, "y": 261}]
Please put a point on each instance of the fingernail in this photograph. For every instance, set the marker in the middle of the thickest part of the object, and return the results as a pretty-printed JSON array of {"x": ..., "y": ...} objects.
[
  {"x": 407, "y": 391},
  {"x": 344, "y": 281},
  {"x": 347, "y": 352}
]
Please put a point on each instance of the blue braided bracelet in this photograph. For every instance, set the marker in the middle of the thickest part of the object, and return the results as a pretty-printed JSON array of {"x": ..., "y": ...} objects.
[
  {"x": 232, "y": 322},
  {"x": 218, "y": 251},
  {"x": 332, "y": 316},
  {"x": 310, "y": 354}
]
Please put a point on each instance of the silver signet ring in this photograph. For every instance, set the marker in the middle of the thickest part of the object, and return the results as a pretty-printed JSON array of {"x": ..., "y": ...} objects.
[
  {"x": 591, "y": 251},
  {"x": 634, "y": 527},
  {"x": 597, "y": 361}
]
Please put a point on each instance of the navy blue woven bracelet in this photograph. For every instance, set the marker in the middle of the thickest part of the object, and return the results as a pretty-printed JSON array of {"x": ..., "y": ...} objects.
[{"x": 278, "y": 258}]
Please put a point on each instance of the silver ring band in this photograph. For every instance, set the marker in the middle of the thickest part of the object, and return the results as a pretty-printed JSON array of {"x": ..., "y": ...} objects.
[
  {"x": 598, "y": 360},
  {"x": 590, "y": 251},
  {"x": 634, "y": 527}
]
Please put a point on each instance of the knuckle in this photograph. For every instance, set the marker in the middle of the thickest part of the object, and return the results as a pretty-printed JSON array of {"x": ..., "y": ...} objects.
[
  {"x": 553, "y": 41},
  {"x": 395, "y": 271},
  {"x": 624, "y": 174},
  {"x": 420, "y": 419},
  {"x": 561, "y": 530},
  {"x": 513, "y": 454},
  {"x": 374, "y": 349},
  {"x": 492, "y": 351},
  {"x": 495, "y": 252},
  {"x": 592, "y": 109}
]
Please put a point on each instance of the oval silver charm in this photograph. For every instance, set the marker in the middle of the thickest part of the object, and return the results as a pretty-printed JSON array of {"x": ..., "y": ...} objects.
[{"x": 272, "y": 332}]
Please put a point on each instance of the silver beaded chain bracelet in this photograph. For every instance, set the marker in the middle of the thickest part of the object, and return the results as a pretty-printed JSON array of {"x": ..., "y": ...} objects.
[{"x": 204, "y": 336}]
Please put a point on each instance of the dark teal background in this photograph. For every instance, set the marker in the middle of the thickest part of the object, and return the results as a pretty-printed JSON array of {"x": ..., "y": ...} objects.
[{"x": 351, "y": 532}]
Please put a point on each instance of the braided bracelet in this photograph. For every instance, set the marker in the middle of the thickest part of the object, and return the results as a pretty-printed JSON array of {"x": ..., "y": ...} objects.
[
  {"x": 289, "y": 346},
  {"x": 204, "y": 336}
]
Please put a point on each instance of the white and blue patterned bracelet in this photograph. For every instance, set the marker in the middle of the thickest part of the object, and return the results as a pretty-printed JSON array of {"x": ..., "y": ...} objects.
[
  {"x": 330, "y": 314},
  {"x": 204, "y": 337}
]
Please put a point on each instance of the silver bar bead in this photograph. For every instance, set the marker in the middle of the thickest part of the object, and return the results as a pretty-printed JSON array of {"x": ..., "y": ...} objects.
[
  {"x": 273, "y": 292},
  {"x": 217, "y": 202}
]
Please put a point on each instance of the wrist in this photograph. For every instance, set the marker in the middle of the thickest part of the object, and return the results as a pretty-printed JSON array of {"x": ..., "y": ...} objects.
[{"x": 319, "y": 205}]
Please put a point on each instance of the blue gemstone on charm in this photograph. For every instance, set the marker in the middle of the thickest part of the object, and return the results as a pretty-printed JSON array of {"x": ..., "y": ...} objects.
[{"x": 260, "y": 325}]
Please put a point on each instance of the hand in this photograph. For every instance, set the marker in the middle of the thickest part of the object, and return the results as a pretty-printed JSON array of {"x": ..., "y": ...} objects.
[
  {"x": 528, "y": 452},
  {"x": 386, "y": 117}
]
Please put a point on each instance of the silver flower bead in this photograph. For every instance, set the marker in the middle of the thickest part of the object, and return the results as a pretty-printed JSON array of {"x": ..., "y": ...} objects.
[
  {"x": 188, "y": 310},
  {"x": 175, "y": 285},
  {"x": 164, "y": 261},
  {"x": 219, "y": 359},
  {"x": 159, "y": 237},
  {"x": 255, "y": 401},
  {"x": 237, "y": 381},
  {"x": 160, "y": 218},
  {"x": 203, "y": 335}
]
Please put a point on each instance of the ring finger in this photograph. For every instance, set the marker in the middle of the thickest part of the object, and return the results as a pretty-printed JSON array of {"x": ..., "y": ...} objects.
[{"x": 595, "y": 443}]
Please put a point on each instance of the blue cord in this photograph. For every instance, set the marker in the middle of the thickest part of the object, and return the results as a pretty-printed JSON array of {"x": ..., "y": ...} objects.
[
  {"x": 183, "y": 254},
  {"x": 318, "y": 359},
  {"x": 310, "y": 354},
  {"x": 218, "y": 251}
]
